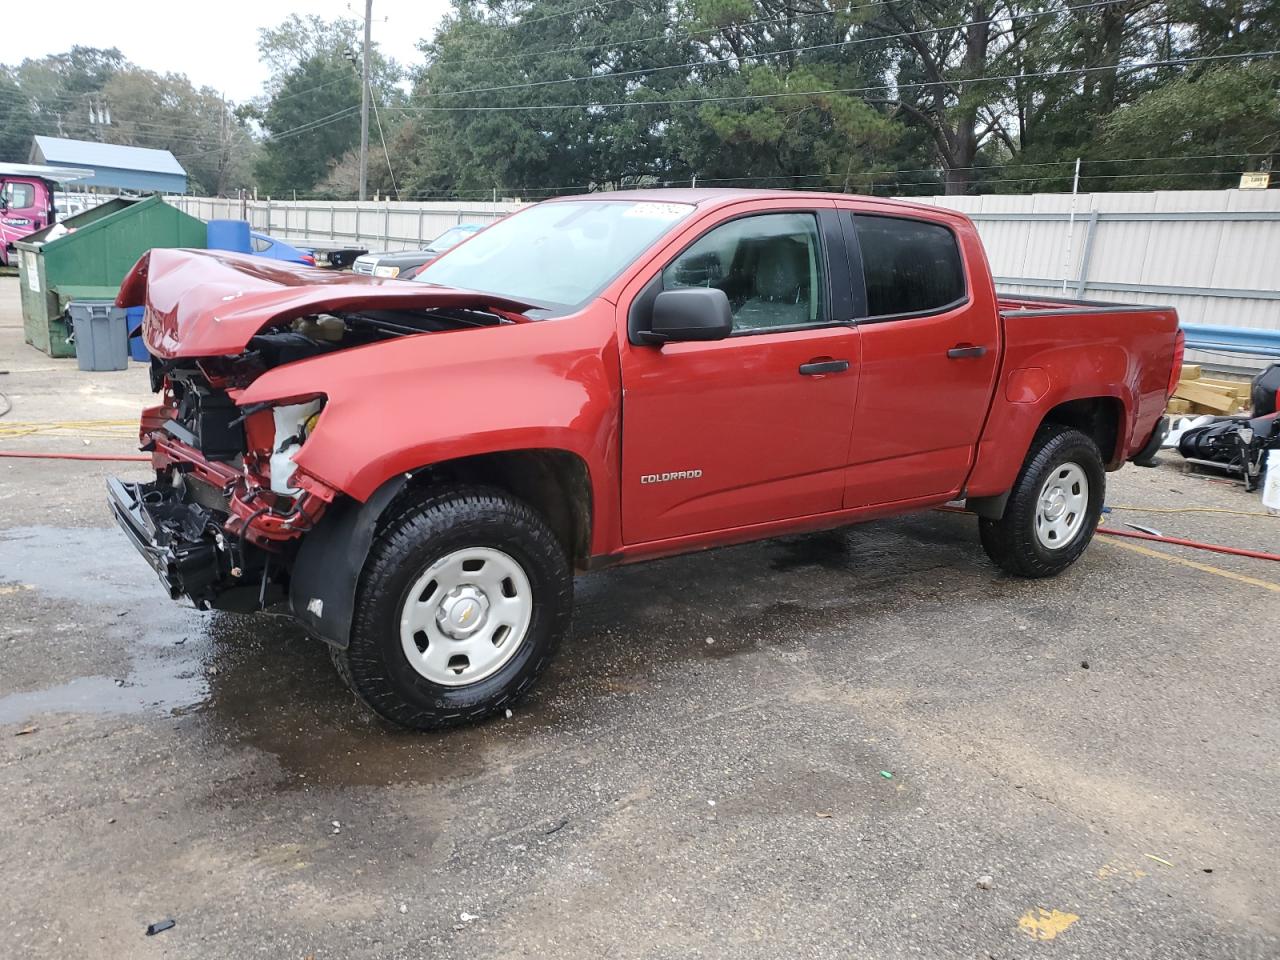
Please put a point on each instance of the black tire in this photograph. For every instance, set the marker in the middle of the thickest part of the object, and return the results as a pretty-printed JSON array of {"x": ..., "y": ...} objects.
[
  {"x": 375, "y": 665},
  {"x": 1011, "y": 542}
]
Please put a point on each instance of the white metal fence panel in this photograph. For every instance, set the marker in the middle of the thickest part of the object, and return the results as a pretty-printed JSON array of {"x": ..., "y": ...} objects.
[{"x": 388, "y": 225}]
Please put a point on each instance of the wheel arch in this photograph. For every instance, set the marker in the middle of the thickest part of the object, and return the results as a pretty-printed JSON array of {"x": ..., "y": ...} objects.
[
  {"x": 326, "y": 571},
  {"x": 1101, "y": 419},
  {"x": 555, "y": 482}
]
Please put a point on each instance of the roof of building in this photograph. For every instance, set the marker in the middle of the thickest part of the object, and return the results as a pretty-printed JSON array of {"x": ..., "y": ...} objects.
[
  {"x": 87, "y": 153},
  {"x": 44, "y": 172}
]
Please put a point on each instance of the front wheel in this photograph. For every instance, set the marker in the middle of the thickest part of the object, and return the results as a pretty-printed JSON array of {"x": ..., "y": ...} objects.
[
  {"x": 462, "y": 603},
  {"x": 1053, "y": 511}
]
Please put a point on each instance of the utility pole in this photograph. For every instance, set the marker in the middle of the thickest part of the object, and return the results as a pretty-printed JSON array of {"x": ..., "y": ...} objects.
[
  {"x": 223, "y": 154},
  {"x": 364, "y": 103}
]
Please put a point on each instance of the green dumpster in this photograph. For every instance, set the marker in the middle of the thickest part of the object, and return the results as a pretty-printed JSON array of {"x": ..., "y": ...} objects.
[{"x": 86, "y": 256}]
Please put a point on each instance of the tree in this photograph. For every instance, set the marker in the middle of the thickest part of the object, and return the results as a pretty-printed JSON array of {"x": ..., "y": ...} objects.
[
  {"x": 17, "y": 120},
  {"x": 198, "y": 126},
  {"x": 952, "y": 55},
  {"x": 1215, "y": 124},
  {"x": 780, "y": 65},
  {"x": 291, "y": 44},
  {"x": 310, "y": 123},
  {"x": 64, "y": 87},
  {"x": 483, "y": 57},
  {"x": 311, "y": 107}
]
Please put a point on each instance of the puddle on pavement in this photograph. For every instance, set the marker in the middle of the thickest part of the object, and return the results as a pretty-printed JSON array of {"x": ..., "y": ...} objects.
[
  {"x": 150, "y": 686},
  {"x": 259, "y": 681},
  {"x": 114, "y": 593}
]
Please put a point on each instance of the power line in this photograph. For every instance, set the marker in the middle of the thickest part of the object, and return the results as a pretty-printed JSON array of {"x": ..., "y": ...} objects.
[
  {"x": 1179, "y": 61},
  {"x": 381, "y": 136},
  {"x": 883, "y": 174},
  {"x": 286, "y": 134}
]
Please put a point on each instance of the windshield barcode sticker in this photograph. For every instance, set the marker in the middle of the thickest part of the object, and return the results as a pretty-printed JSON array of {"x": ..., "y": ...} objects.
[{"x": 658, "y": 211}]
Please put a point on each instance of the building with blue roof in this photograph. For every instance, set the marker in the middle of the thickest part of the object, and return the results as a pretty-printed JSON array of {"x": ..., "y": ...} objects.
[{"x": 114, "y": 167}]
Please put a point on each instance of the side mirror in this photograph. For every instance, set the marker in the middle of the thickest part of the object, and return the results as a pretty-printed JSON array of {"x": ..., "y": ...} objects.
[{"x": 691, "y": 313}]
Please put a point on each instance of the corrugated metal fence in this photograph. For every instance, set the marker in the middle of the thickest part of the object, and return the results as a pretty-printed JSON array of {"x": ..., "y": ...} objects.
[
  {"x": 386, "y": 225},
  {"x": 1212, "y": 254}
]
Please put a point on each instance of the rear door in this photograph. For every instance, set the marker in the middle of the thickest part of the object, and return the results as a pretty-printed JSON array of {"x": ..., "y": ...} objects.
[
  {"x": 930, "y": 349},
  {"x": 755, "y": 427}
]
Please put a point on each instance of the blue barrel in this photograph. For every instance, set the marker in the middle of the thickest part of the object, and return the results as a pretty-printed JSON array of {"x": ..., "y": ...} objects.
[
  {"x": 137, "y": 348},
  {"x": 229, "y": 235}
]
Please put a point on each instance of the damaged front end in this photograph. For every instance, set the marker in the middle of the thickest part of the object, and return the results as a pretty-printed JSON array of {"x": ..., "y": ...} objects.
[
  {"x": 222, "y": 521},
  {"x": 183, "y": 541},
  {"x": 218, "y": 525}
]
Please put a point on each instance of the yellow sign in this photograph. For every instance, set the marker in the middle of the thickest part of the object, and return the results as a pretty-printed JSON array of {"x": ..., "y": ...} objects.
[{"x": 1255, "y": 181}]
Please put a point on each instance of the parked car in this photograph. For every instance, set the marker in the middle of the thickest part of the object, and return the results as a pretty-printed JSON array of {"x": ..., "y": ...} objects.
[
  {"x": 418, "y": 469},
  {"x": 405, "y": 263},
  {"x": 273, "y": 249},
  {"x": 334, "y": 255}
]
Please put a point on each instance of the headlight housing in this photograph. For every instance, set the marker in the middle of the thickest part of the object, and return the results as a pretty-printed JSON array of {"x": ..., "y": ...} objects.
[
  {"x": 387, "y": 271},
  {"x": 294, "y": 423}
]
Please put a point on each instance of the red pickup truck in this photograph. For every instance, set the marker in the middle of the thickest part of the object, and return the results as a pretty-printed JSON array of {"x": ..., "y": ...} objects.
[{"x": 417, "y": 469}]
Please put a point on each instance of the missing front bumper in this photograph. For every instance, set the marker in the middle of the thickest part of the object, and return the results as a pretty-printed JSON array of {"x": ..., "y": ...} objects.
[{"x": 178, "y": 538}]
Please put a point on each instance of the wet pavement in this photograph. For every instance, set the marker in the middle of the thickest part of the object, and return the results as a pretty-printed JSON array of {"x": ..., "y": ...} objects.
[{"x": 809, "y": 747}]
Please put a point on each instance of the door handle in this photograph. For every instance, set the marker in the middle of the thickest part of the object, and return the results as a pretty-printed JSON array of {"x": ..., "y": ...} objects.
[
  {"x": 816, "y": 368},
  {"x": 963, "y": 352}
]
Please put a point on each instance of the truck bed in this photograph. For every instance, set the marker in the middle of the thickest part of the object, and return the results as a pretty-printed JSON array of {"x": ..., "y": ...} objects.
[{"x": 1011, "y": 304}]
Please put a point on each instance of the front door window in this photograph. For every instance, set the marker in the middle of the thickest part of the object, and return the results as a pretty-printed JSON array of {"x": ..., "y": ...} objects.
[{"x": 769, "y": 266}]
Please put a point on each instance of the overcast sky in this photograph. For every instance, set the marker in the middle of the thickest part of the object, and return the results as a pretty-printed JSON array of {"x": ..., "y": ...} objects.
[{"x": 215, "y": 43}]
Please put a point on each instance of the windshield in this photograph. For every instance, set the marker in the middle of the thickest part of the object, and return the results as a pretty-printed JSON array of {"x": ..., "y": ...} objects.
[
  {"x": 556, "y": 255},
  {"x": 452, "y": 237}
]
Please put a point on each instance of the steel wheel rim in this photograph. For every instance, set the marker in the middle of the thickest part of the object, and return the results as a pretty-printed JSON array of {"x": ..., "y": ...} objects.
[
  {"x": 466, "y": 616},
  {"x": 1062, "y": 506}
]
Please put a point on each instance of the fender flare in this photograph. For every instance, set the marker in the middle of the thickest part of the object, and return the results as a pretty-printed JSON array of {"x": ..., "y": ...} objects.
[{"x": 326, "y": 571}]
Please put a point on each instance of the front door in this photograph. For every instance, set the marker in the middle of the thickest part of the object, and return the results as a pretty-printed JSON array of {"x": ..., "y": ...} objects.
[
  {"x": 755, "y": 427},
  {"x": 930, "y": 348},
  {"x": 22, "y": 210}
]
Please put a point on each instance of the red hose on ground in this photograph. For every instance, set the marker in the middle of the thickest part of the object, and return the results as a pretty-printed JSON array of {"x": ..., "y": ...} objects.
[
  {"x": 1180, "y": 542},
  {"x": 27, "y": 455},
  {"x": 1175, "y": 541}
]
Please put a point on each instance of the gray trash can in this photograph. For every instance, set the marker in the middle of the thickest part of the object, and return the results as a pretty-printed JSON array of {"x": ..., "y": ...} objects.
[{"x": 101, "y": 335}]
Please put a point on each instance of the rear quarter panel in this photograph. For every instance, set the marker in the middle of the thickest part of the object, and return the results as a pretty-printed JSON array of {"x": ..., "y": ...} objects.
[{"x": 1053, "y": 356}]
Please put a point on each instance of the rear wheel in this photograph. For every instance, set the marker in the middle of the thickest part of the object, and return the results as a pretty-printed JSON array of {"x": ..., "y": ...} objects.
[
  {"x": 1053, "y": 511},
  {"x": 462, "y": 603}
]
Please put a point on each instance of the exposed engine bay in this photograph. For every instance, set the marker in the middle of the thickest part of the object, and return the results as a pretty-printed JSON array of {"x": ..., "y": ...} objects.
[{"x": 228, "y": 505}]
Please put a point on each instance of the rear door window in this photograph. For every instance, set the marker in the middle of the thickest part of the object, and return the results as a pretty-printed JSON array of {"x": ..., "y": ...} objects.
[{"x": 910, "y": 267}]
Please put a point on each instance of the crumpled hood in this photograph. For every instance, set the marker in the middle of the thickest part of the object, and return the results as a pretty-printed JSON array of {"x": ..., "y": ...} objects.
[{"x": 208, "y": 303}]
